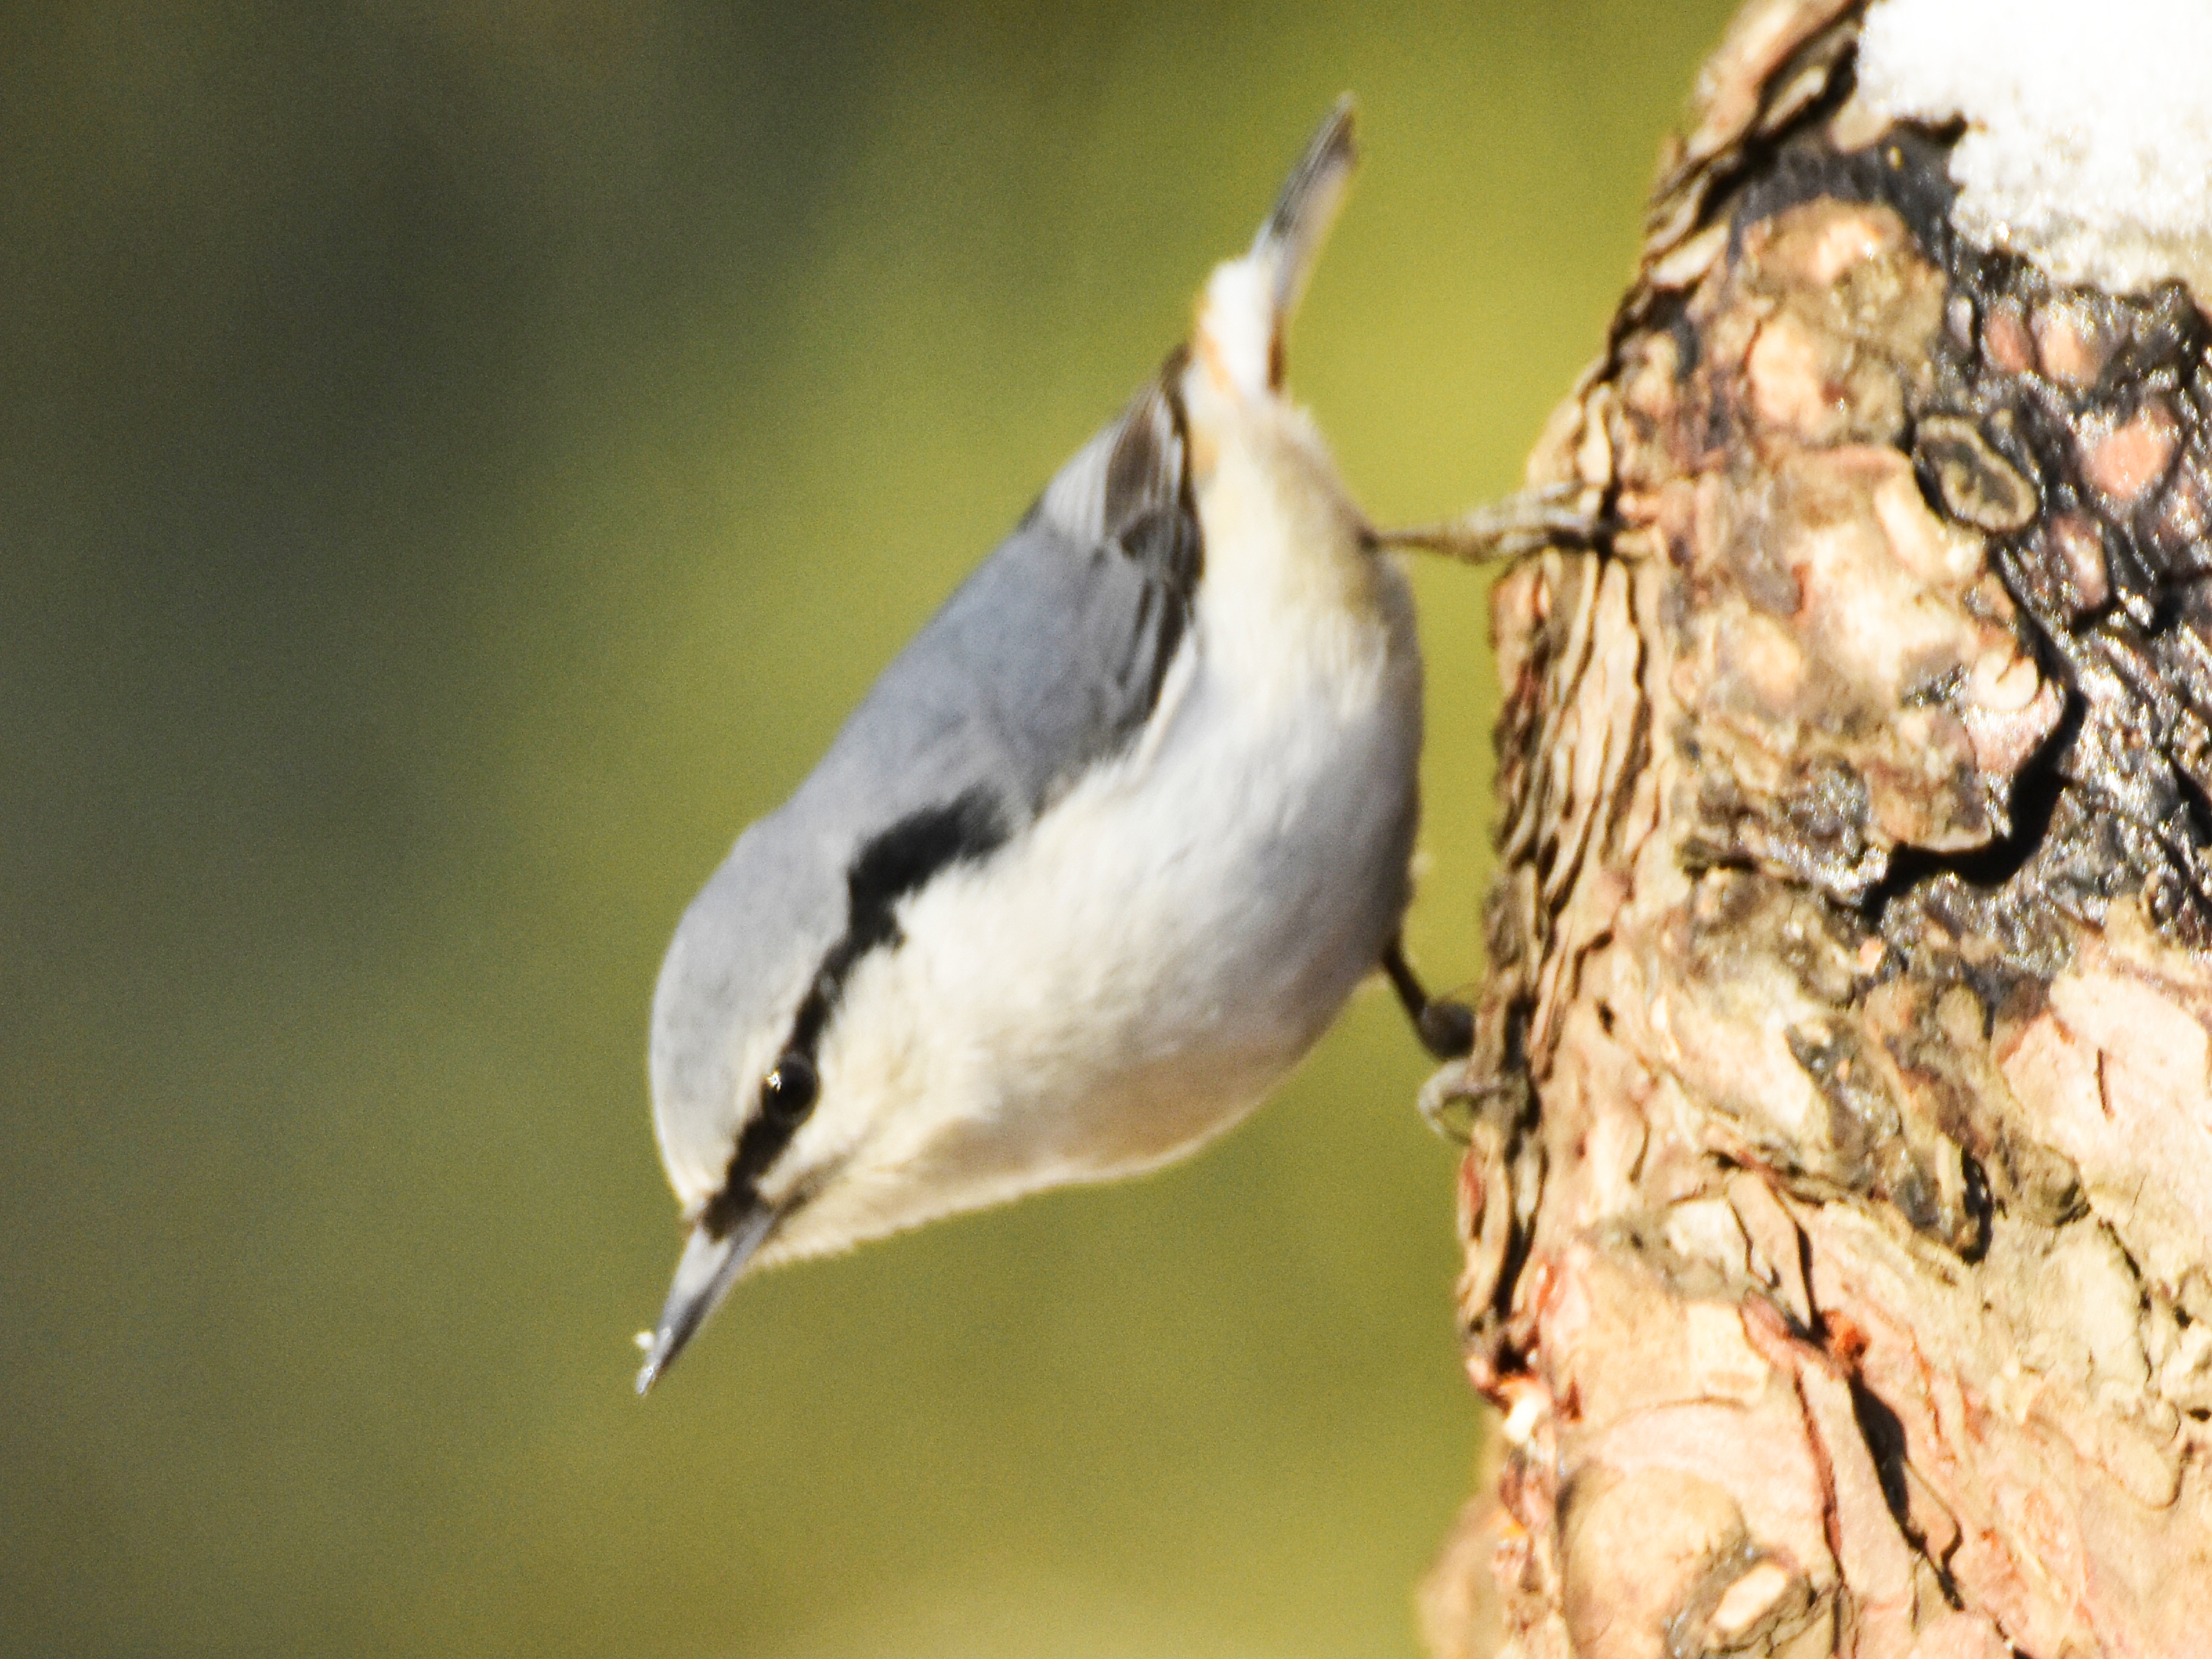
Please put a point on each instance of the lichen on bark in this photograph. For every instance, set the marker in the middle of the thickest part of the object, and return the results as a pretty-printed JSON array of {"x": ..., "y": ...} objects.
[{"x": 1838, "y": 1203}]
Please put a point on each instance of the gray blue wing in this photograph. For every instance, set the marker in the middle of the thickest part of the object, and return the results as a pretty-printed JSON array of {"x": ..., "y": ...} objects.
[{"x": 1049, "y": 658}]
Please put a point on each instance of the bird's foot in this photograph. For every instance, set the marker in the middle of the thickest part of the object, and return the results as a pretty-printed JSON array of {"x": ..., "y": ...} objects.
[
  {"x": 1507, "y": 529},
  {"x": 1445, "y": 1028}
]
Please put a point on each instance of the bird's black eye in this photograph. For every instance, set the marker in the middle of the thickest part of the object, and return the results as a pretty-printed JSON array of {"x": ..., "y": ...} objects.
[{"x": 788, "y": 1091}]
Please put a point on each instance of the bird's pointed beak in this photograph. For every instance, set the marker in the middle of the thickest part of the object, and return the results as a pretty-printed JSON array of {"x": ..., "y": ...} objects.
[{"x": 708, "y": 1266}]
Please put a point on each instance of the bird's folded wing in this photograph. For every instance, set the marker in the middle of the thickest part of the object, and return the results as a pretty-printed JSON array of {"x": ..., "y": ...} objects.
[
  {"x": 1052, "y": 656},
  {"x": 1048, "y": 660}
]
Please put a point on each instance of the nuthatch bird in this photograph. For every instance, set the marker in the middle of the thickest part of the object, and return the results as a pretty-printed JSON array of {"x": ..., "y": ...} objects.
[{"x": 1100, "y": 856}]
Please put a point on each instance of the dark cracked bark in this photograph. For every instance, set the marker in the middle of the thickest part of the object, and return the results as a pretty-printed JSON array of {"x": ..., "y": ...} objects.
[{"x": 1839, "y": 1176}]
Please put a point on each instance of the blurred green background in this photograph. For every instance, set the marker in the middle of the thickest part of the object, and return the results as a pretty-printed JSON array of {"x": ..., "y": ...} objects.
[{"x": 461, "y": 460}]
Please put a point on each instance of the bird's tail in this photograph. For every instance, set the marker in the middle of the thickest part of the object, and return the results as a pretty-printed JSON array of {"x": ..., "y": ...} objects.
[
  {"x": 1248, "y": 304},
  {"x": 1289, "y": 242}
]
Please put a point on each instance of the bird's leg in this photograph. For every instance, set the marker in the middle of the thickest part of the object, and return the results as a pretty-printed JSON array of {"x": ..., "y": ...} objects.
[
  {"x": 1505, "y": 529},
  {"x": 1446, "y": 1029}
]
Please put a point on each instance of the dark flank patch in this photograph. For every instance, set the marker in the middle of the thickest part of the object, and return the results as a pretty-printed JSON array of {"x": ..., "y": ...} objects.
[{"x": 890, "y": 866}]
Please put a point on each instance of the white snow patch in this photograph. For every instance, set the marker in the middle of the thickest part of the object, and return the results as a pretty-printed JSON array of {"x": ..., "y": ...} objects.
[{"x": 2088, "y": 141}]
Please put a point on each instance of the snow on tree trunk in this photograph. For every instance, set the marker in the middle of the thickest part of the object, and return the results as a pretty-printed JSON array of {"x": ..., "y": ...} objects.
[{"x": 1838, "y": 1189}]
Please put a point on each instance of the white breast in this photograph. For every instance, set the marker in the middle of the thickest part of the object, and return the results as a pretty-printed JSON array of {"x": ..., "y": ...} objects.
[{"x": 1128, "y": 979}]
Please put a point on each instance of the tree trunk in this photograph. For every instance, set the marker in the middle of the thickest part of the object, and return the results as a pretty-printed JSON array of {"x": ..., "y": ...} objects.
[{"x": 1839, "y": 1165}]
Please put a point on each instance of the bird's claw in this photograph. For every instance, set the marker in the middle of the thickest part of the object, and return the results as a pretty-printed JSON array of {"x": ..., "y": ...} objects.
[{"x": 1521, "y": 524}]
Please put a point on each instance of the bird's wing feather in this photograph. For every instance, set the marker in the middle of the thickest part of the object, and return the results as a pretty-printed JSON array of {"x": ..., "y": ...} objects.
[{"x": 1048, "y": 659}]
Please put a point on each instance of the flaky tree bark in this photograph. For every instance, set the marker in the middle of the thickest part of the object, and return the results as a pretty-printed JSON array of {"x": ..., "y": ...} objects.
[{"x": 1839, "y": 1176}]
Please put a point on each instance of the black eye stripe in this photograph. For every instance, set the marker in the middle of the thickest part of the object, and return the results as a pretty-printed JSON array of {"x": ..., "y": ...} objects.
[{"x": 887, "y": 868}]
